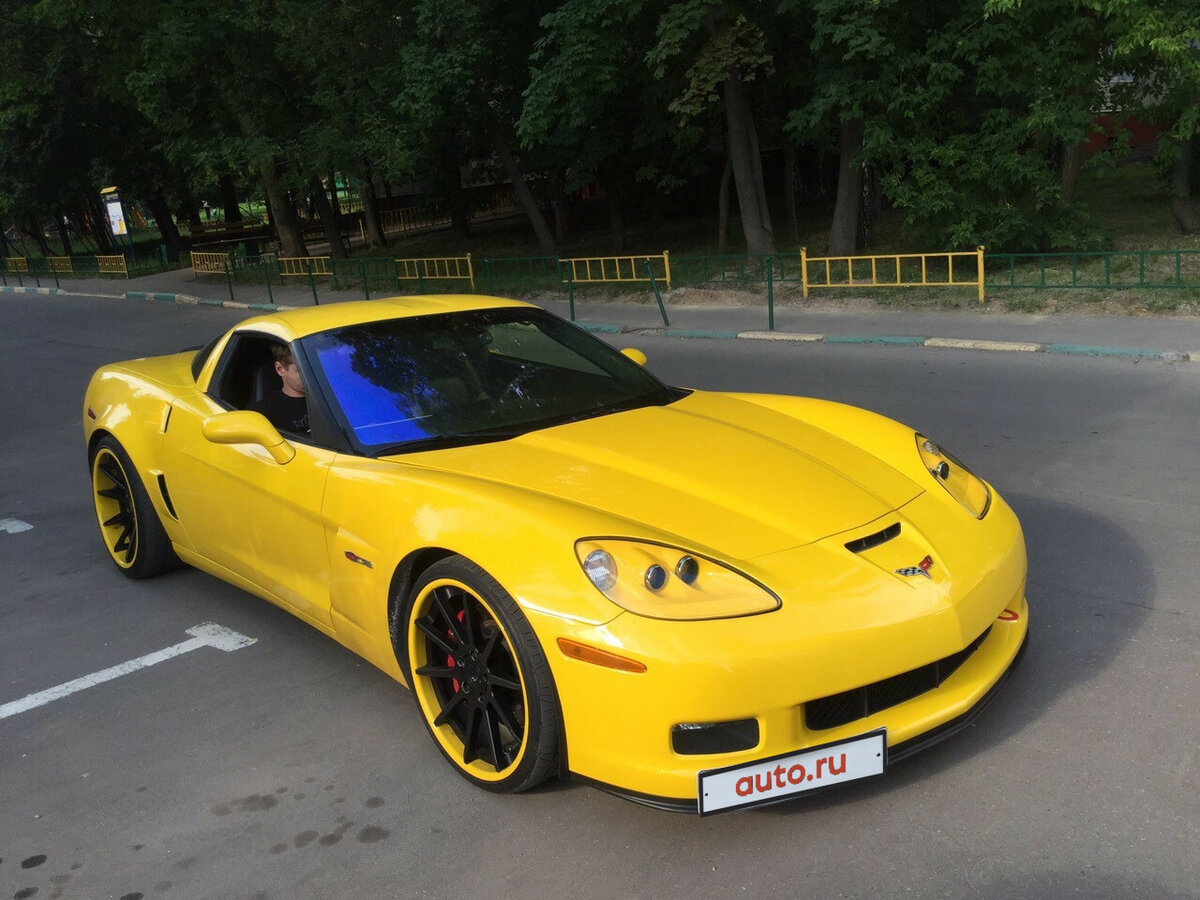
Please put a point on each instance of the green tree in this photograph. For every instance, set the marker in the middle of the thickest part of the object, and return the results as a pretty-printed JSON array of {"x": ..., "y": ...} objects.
[
  {"x": 465, "y": 66},
  {"x": 723, "y": 53},
  {"x": 1159, "y": 44},
  {"x": 593, "y": 108},
  {"x": 971, "y": 141}
]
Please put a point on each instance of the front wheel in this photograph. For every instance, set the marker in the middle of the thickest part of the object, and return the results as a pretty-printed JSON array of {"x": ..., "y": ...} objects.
[
  {"x": 129, "y": 525},
  {"x": 481, "y": 680}
]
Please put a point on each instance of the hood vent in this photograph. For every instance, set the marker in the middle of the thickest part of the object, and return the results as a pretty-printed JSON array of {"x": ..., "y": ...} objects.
[{"x": 874, "y": 540}]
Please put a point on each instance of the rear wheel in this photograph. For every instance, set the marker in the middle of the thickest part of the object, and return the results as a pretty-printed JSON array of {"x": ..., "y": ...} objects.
[
  {"x": 481, "y": 679},
  {"x": 129, "y": 525}
]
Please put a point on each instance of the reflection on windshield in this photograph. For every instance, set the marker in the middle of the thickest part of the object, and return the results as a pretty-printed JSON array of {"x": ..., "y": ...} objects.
[{"x": 420, "y": 382}]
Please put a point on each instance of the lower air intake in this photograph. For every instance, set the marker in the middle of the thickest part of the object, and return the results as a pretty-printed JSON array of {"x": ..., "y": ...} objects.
[{"x": 858, "y": 703}]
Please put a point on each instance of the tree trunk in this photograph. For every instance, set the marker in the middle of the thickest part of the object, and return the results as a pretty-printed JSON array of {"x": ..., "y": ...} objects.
[
  {"x": 287, "y": 224},
  {"x": 869, "y": 207},
  {"x": 64, "y": 233},
  {"x": 616, "y": 221},
  {"x": 564, "y": 214},
  {"x": 334, "y": 203},
  {"x": 5, "y": 253},
  {"x": 456, "y": 199},
  {"x": 166, "y": 225},
  {"x": 524, "y": 194},
  {"x": 723, "y": 207},
  {"x": 747, "y": 170},
  {"x": 375, "y": 235},
  {"x": 1182, "y": 206},
  {"x": 843, "y": 232},
  {"x": 329, "y": 221},
  {"x": 99, "y": 219},
  {"x": 188, "y": 211},
  {"x": 229, "y": 199},
  {"x": 1070, "y": 164},
  {"x": 39, "y": 237},
  {"x": 789, "y": 191}
]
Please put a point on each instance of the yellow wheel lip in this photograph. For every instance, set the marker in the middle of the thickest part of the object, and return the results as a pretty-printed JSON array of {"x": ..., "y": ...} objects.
[
  {"x": 422, "y": 688},
  {"x": 106, "y": 508}
]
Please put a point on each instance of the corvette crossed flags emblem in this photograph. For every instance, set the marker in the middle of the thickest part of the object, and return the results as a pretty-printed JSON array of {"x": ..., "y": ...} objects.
[{"x": 921, "y": 568}]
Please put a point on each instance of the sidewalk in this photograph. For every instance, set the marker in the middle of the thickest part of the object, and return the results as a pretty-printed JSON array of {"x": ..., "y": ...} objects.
[{"x": 1169, "y": 338}]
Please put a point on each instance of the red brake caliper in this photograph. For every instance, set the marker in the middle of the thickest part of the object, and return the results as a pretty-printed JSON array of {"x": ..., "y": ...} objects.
[{"x": 450, "y": 659}]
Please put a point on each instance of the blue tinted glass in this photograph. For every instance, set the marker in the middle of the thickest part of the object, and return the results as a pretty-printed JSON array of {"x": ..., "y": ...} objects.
[{"x": 377, "y": 415}]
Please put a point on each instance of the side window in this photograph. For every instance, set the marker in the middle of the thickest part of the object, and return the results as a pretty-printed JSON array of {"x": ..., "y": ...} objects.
[{"x": 246, "y": 374}]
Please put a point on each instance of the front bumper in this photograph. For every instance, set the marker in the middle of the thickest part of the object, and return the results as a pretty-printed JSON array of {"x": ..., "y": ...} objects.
[{"x": 769, "y": 668}]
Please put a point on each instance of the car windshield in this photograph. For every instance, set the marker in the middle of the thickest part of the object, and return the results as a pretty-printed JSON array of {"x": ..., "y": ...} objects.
[{"x": 450, "y": 379}]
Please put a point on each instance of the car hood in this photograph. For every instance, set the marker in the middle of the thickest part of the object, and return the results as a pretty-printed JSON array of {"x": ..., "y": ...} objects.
[{"x": 710, "y": 470}]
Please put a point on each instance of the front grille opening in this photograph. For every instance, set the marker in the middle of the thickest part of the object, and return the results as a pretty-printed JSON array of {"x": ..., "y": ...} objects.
[
  {"x": 874, "y": 540},
  {"x": 699, "y": 739},
  {"x": 858, "y": 703}
]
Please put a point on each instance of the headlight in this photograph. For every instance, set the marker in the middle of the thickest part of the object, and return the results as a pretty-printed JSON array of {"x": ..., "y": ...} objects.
[
  {"x": 667, "y": 583},
  {"x": 962, "y": 484}
]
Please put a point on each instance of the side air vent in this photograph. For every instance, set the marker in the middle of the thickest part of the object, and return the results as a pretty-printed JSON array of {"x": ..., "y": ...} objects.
[
  {"x": 166, "y": 496},
  {"x": 874, "y": 540}
]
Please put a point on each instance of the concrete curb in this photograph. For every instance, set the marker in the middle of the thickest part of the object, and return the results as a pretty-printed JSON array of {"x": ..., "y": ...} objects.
[
  {"x": 1170, "y": 356},
  {"x": 9, "y": 289},
  {"x": 189, "y": 300},
  {"x": 1136, "y": 353}
]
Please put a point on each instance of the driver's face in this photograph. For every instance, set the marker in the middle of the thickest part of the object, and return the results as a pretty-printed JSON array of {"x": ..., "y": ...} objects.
[{"x": 293, "y": 384}]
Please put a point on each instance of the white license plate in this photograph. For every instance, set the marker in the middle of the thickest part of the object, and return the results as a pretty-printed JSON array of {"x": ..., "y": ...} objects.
[{"x": 774, "y": 779}]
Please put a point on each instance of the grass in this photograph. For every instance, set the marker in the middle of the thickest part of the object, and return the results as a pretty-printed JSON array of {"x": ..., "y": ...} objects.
[{"x": 1133, "y": 207}]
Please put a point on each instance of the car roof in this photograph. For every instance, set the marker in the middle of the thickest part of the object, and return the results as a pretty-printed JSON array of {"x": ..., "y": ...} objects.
[{"x": 297, "y": 323}]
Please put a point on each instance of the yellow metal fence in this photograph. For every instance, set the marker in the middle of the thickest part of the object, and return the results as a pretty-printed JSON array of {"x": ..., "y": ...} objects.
[
  {"x": 436, "y": 267},
  {"x": 65, "y": 265},
  {"x": 894, "y": 270},
  {"x": 210, "y": 263},
  {"x": 304, "y": 265},
  {"x": 601, "y": 269},
  {"x": 112, "y": 265}
]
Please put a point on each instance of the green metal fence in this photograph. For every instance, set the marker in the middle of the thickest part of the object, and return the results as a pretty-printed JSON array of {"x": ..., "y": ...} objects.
[
  {"x": 495, "y": 276},
  {"x": 1114, "y": 269}
]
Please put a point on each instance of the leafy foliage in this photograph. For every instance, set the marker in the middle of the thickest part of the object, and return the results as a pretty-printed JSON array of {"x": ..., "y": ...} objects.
[{"x": 972, "y": 113}]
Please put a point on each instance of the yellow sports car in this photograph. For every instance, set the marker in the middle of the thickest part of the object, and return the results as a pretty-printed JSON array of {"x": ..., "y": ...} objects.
[{"x": 697, "y": 600}]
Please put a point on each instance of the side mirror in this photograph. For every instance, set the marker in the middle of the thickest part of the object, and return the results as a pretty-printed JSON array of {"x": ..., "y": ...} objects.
[
  {"x": 245, "y": 427},
  {"x": 636, "y": 355}
]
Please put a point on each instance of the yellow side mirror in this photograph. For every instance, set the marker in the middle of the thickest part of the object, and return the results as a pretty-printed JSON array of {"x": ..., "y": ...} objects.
[
  {"x": 246, "y": 427},
  {"x": 636, "y": 355}
]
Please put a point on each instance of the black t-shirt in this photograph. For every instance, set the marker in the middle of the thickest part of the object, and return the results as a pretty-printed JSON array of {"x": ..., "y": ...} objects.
[{"x": 284, "y": 412}]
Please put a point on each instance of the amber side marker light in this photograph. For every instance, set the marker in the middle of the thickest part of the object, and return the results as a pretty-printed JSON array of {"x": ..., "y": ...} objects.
[
  {"x": 91, "y": 413},
  {"x": 598, "y": 657}
]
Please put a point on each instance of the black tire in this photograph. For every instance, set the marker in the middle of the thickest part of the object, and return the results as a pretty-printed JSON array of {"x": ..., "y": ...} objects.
[
  {"x": 129, "y": 525},
  {"x": 481, "y": 680}
]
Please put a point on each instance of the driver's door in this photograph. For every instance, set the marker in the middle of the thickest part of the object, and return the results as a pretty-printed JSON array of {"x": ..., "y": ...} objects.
[
  {"x": 252, "y": 516},
  {"x": 256, "y": 518}
]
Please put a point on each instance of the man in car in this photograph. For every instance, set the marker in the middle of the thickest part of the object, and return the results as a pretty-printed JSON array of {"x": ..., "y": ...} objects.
[{"x": 287, "y": 408}]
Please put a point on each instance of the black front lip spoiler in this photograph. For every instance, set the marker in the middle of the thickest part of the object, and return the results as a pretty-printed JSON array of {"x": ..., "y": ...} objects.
[{"x": 895, "y": 753}]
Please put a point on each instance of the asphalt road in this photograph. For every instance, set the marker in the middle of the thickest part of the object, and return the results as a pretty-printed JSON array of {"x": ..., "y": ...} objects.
[{"x": 290, "y": 769}]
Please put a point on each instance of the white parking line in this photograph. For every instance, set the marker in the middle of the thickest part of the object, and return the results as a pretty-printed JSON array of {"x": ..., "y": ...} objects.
[
  {"x": 206, "y": 635},
  {"x": 14, "y": 526}
]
